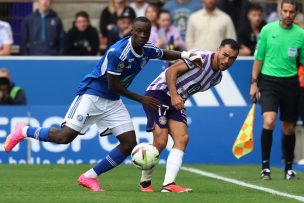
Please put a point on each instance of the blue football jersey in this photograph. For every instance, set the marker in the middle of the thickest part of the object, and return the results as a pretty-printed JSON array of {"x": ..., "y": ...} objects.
[{"x": 120, "y": 59}]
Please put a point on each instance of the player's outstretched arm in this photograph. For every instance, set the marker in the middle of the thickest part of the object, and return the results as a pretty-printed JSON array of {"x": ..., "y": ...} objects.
[
  {"x": 171, "y": 75},
  {"x": 115, "y": 86},
  {"x": 174, "y": 55}
]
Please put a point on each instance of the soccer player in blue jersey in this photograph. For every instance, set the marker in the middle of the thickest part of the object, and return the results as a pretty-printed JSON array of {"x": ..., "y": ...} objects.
[
  {"x": 98, "y": 100},
  {"x": 172, "y": 88}
]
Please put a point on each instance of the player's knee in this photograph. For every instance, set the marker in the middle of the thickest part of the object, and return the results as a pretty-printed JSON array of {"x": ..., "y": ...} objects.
[
  {"x": 184, "y": 139},
  {"x": 288, "y": 130},
  {"x": 160, "y": 144},
  {"x": 269, "y": 123}
]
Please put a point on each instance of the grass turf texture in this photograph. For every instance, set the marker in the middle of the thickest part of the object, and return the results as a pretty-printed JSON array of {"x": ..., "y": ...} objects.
[{"x": 57, "y": 183}]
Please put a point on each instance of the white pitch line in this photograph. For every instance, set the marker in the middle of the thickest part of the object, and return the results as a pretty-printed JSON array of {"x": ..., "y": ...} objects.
[{"x": 241, "y": 183}]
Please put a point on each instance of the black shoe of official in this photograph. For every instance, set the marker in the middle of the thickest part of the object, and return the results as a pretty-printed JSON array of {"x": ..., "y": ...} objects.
[
  {"x": 265, "y": 174},
  {"x": 290, "y": 175}
]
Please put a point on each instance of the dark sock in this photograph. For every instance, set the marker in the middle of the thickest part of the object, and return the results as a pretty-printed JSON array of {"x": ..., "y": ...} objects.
[
  {"x": 289, "y": 146},
  {"x": 145, "y": 183},
  {"x": 266, "y": 142}
]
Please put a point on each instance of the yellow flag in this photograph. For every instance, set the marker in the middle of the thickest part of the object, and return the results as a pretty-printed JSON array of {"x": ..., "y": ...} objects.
[{"x": 243, "y": 144}]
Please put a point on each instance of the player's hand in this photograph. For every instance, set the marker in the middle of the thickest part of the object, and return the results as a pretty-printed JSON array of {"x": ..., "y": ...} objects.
[
  {"x": 254, "y": 91},
  {"x": 150, "y": 101},
  {"x": 177, "y": 102},
  {"x": 196, "y": 60}
]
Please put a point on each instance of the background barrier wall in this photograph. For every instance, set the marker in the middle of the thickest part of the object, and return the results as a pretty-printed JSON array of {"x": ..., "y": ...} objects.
[{"x": 215, "y": 117}]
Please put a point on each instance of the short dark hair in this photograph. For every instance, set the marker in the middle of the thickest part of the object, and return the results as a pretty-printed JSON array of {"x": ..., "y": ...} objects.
[
  {"x": 4, "y": 81},
  {"x": 83, "y": 14},
  {"x": 255, "y": 7},
  {"x": 232, "y": 43},
  {"x": 142, "y": 19},
  {"x": 161, "y": 11},
  {"x": 293, "y": 2}
]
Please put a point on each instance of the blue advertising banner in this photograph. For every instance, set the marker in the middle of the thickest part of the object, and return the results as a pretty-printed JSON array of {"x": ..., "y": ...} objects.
[{"x": 215, "y": 117}]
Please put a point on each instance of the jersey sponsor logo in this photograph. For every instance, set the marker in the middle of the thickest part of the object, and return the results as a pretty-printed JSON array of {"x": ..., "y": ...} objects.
[
  {"x": 228, "y": 94},
  {"x": 121, "y": 66},
  {"x": 212, "y": 82},
  {"x": 194, "y": 88}
]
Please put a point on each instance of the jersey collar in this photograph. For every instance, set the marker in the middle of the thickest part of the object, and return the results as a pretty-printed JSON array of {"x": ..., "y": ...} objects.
[{"x": 133, "y": 51}]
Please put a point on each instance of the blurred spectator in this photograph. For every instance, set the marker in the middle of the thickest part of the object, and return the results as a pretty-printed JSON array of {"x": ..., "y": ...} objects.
[
  {"x": 208, "y": 27},
  {"x": 42, "y": 32},
  {"x": 122, "y": 29},
  {"x": 5, "y": 98},
  {"x": 249, "y": 32},
  {"x": 139, "y": 6},
  {"x": 152, "y": 13},
  {"x": 166, "y": 35},
  {"x": 180, "y": 11},
  {"x": 6, "y": 38},
  {"x": 82, "y": 38},
  {"x": 274, "y": 16},
  {"x": 110, "y": 14},
  {"x": 237, "y": 10},
  {"x": 14, "y": 93},
  {"x": 300, "y": 20}
]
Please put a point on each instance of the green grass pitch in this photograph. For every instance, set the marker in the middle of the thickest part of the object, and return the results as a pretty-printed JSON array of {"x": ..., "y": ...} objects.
[{"x": 57, "y": 183}]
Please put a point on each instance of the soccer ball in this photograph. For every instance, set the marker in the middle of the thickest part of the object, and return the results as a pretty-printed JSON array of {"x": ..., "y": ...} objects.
[{"x": 144, "y": 156}]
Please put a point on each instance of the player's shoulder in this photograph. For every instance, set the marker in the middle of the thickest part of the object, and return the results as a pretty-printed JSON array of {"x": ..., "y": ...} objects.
[
  {"x": 121, "y": 48},
  {"x": 271, "y": 25},
  {"x": 298, "y": 29},
  {"x": 149, "y": 46}
]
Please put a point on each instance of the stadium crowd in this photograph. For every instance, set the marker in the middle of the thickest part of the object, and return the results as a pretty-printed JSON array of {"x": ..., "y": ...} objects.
[{"x": 177, "y": 25}]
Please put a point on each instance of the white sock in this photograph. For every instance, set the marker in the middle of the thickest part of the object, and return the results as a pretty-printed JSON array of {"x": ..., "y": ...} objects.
[
  {"x": 90, "y": 173},
  {"x": 146, "y": 175},
  {"x": 24, "y": 130},
  {"x": 174, "y": 163}
]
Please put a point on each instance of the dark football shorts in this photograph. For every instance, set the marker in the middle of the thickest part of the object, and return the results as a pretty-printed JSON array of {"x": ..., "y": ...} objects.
[
  {"x": 161, "y": 115},
  {"x": 280, "y": 94}
]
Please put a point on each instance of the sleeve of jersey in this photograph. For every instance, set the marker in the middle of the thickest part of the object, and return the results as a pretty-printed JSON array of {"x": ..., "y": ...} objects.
[
  {"x": 154, "y": 51},
  {"x": 260, "y": 49},
  {"x": 114, "y": 64},
  {"x": 189, "y": 64}
]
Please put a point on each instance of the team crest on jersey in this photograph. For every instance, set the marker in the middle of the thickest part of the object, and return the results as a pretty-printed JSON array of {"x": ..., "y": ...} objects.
[
  {"x": 121, "y": 66},
  {"x": 80, "y": 117},
  {"x": 212, "y": 82},
  {"x": 162, "y": 120}
]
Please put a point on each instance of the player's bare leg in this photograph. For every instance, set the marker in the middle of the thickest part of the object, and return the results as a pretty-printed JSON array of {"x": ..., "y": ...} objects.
[
  {"x": 64, "y": 135},
  {"x": 89, "y": 179},
  {"x": 179, "y": 133},
  {"x": 160, "y": 138}
]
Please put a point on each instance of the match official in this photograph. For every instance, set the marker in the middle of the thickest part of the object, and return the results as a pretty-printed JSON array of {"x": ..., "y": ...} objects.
[{"x": 274, "y": 81}]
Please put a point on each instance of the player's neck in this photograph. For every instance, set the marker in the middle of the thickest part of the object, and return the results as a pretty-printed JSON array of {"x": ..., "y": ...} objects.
[
  {"x": 214, "y": 62},
  {"x": 136, "y": 48},
  {"x": 284, "y": 25}
]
